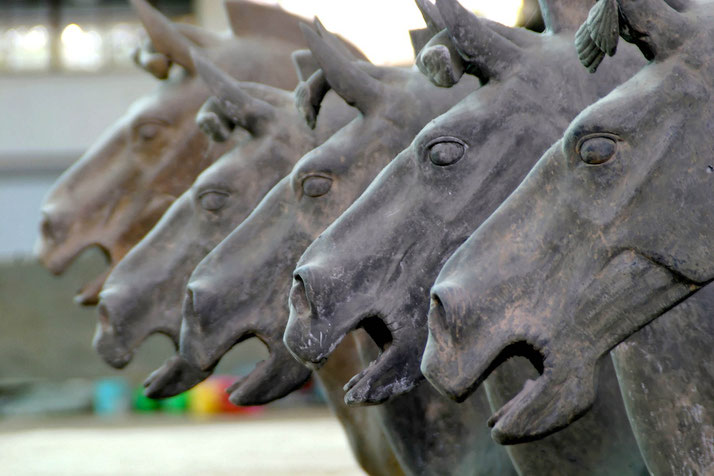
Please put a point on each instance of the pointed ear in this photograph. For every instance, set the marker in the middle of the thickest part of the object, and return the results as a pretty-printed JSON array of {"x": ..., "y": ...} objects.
[
  {"x": 440, "y": 62},
  {"x": 236, "y": 104},
  {"x": 213, "y": 122},
  {"x": 344, "y": 76},
  {"x": 491, "y": 53},
  {"x": 148, "y": 59},
  {"x": 657, "y": 28},
  {"x": 347, "y": 49},
  {"x": 164, "y": 35},
  {"x": 309, "y": 95},
  {"x": 431, "y": 15},
  {"x": 305, "y": 64},
  {"x": 251, "y": 19},
  {"x": 420, "y": 38}
]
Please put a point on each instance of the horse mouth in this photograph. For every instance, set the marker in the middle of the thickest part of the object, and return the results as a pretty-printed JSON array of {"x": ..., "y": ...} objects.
[
  {"x": 629, "y": 284},
  {"x": 88, "y": 295},
  {"x": 519, "y": 348},
  {"x": 395, "y": 370},
  {"x": 270, "y": 379},
  {"x": 240, "y": 394}
]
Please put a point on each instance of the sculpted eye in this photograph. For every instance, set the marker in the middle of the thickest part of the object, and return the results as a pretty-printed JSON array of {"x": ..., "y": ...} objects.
[
  {"x": 148, "y": 131},
  {"x": 213, "y": 200},
  {"x": 446, "y": 151},
  {"x": 316, "y": 185},
  {"x": 597, "y": 149}
]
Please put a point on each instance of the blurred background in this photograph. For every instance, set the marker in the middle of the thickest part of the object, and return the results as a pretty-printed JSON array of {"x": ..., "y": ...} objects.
[{"x": 66, "y": 74}]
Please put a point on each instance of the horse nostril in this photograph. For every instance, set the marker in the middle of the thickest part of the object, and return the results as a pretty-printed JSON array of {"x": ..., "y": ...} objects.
[
  {"x": 103, "y": 311},
  {"x": 439, "y": 319},
  {"x": 198, "y": 305},
  {"x": 47, "y": 228},
  {"x": 437, "y": 313},
  {"x": 298, "y": 297},
  {"x": 189, "y": 303}
]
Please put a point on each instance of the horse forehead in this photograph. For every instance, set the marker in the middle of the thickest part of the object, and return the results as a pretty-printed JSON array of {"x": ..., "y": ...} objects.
[
  {"x": 344, "y": 147},
  {"x": 658, "y": 91},
  {"x": 170, "y": 100},
  {"x": 479, "y": 112}
]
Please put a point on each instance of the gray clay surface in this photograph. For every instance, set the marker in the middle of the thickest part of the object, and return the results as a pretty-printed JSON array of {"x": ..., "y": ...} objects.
[
  {"x": 377, "y": 261},
  {"x": 609, "y": 231},
  {"x": 259, "y": 256},
  {"x": 143, "y": 294}
]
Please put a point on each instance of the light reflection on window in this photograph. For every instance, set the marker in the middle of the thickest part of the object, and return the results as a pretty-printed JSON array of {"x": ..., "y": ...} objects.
[
  {"x": 123, "y": 38},
  {"x": 27, "y": 48},
  {"x": 82, "y": 49}
]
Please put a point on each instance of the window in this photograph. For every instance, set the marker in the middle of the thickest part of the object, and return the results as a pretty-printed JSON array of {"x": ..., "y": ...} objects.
[{"x": 72, "y": 35}]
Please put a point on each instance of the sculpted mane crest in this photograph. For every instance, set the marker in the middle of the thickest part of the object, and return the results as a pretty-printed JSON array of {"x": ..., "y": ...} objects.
[{"x": 598, "y": 35}]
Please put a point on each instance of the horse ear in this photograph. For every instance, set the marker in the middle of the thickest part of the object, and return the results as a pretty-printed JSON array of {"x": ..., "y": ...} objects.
[
  {"x": 344, "y": 76},
  {"x": 440, "y": 62},
  {"x": 344, "y": 47},
  {"x": 491, "y": 53},
  {"x": 419, "y": 38},
  {"x": 314, "y": 86},
  {"x": 233, "y": 101},
  {"x": 213, "y": 122},
  {"x": 148, "y": 59},
  {"x": 305, "y": 64},
  {"x": 431, "y": 15},
  {"x": 164, "y": 35}
]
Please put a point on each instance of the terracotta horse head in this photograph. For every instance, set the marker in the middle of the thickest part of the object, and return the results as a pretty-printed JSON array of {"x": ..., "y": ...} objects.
[
  {"x": 143, "y": 293},
  {"x": 374, "y": 265},
  {"x": 235, "y": 291},
  {"x": 610, "y": 229},
  {"x": 121, "y": 186}
]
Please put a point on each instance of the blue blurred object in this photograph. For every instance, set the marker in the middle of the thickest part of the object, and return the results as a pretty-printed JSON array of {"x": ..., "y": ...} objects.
[{"x": 112, "y": 396}]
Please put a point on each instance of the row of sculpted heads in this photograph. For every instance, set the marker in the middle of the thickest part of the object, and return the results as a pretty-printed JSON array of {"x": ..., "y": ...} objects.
[{"x": 506, "y": 202}]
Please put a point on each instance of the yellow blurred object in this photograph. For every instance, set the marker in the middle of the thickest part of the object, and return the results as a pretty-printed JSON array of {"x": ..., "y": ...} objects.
[{"x": 205, "y": 398}]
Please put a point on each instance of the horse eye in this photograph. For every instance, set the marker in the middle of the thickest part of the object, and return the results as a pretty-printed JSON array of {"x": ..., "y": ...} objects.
[
  {"x": 213, "y": 200},
  {"x": 316, "y": 186},
  {"x": 446, "y": 152},
  {"x": 148, "y": 131},
  {"x": 596, "y": 150}
]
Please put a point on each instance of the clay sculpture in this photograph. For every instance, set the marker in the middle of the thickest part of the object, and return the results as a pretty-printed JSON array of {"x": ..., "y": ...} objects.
[
  {"x": 115, "y": 193},
  {"x": 143, "y": 294},
  {"x": 239, "y": 289},
  {"x": 378, "y": 260},
  {"x": 610, "y": 230}
]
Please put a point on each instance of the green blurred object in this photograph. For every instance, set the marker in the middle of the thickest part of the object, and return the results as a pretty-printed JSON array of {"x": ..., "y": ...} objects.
[
  {"x": 177, "y": 404},
  {"x": 143, "y": 404}
]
